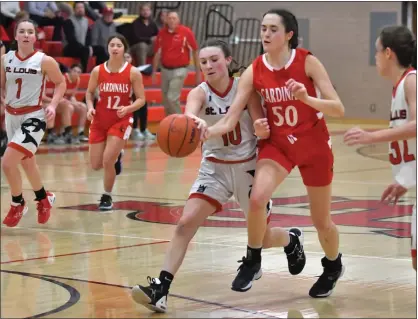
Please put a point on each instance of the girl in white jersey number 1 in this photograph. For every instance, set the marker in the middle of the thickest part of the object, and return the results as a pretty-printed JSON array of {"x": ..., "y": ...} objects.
[
  {"x": 396, "y": 53},
  {"x": 23, "y": 75},
  {"x": 227, "y": 169}
]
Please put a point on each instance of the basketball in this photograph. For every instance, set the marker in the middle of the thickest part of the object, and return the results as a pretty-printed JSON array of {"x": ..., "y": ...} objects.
[{"x": 178, "y": 135}]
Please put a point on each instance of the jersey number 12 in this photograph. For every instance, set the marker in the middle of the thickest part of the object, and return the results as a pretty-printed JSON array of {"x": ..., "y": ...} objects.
[{"x": 113, "y": 102}]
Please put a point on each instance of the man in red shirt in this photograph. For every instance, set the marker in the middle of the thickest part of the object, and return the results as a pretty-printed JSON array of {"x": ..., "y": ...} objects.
[{"x": 173, "y": 46}]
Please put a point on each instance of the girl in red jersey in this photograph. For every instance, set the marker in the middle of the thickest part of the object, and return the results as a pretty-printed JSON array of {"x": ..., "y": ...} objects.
[
  {"x": 295, "y": 134},
  {"x": 111, "y": 120}
]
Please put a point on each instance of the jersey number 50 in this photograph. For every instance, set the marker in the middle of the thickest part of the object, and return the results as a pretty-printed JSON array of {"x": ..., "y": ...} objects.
[
  {"x": 234, "y": 137},
  {"x": 396, "y": 157},
  {"x": 290, "y": 115}
]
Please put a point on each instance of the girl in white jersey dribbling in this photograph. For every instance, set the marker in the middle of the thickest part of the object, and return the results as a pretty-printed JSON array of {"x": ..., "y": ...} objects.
[
  {"x": 396, "y": 60},
  {"x": 23, "y": 75},
  {"x": 227, "y": 169}
]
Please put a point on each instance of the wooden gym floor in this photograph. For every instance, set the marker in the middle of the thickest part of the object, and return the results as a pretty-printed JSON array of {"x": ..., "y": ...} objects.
[{"x": 83, "y": 262}]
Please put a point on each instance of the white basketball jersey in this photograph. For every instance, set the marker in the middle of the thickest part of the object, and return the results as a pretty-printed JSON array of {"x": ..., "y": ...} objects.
[
  {"x": 402, "y": 154},
  {"x": 24, "y": 79},
  {"x": 241, "y": 143}
]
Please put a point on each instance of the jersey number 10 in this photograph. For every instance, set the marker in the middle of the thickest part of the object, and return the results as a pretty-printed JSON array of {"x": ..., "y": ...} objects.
[{"x": 234, "y": 137}]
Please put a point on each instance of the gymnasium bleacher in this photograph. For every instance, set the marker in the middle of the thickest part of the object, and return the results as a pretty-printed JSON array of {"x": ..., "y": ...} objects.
[{"x": 152, "y": 92}]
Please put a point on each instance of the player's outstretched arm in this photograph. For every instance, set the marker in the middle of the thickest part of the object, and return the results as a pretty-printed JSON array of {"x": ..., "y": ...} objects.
[
  {"x": 357, "y": 136},
  {"x": 138, "y": 88},
  {"x": 195, "y": 100},
  {"x": 230, "y": 120},
  {"x": 51, "y": 69}
]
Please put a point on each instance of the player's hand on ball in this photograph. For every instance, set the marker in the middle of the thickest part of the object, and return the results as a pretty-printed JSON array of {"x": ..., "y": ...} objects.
[
  {"x": 393, "y": 192},
  {"x": 122, "y": 111},
  {"x": 201, "y": 124},
  {"x": 297, "y": 89},
  {"x": 356, "y": 136},
  {"x": 262, "y": 128},
  {"x": 50, "y": 113},
  {"x": 90, "y": 114}
]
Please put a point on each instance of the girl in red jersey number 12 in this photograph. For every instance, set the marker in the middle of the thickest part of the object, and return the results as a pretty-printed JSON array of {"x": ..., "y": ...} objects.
[
  {"x": 296, "y": 135},
  {"x": 111, "y": 120}
]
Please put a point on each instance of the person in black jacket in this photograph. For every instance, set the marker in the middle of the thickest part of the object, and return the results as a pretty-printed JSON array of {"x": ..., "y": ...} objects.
[{"x": 77, "y": 38}]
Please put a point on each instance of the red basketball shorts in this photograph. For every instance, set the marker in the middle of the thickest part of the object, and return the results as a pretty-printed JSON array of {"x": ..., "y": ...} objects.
[
  {"x": 311, "y": 153},
  {"x": 100, "y": 132}
]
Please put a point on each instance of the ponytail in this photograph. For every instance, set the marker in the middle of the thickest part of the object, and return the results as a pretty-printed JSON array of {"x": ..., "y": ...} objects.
[{"x": 235, "y": 68}]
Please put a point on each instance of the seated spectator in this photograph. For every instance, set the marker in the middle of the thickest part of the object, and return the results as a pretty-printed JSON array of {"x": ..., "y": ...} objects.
[
  {"x": 103, "y": 29},
  {"x": 77, "y": 38},
  {"x": 65, "y": 110},
  {"x": 45, "y": 14},
  {"x": 144, "y": 33},
  {"x": 66, "y": 107},
  {"x": 161, "y": 17},
  {"x": 73, "y": 82},
  {"x": 8, "y": 10},
  {"x": 100, "y": 7}
]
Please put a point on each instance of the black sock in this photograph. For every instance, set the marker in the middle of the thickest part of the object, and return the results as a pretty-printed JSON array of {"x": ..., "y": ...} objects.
[
  {"x": 67, "y": 130},
  {"x": 166, "y": 278},
  {"x": 289, "y": 248},
  {"x": 50, "y": 131},
  {"x": 254, "y": 254},
  {"x": 40, "y": 194},
  {"x": 18, "y": 199}
]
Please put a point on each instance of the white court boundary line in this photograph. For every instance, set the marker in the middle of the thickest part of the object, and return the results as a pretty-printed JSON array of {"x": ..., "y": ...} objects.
[{"x": 192, "y": 242}]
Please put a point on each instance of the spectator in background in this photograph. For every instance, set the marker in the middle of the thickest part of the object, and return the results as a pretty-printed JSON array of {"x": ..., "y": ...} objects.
[
  {"x": 77, "y": 38},
  {"x": 8, "y": 11},
  {"x": 140, "y": 117},
  {"x": 161, "y": 18},
  {"x": 46, "y": 13},
  {"x": 173, "y": 47},
  {"x": 100, "y": 7},
  {"x": 103, "y": 29},
  {"x": 144, "y": 33}
]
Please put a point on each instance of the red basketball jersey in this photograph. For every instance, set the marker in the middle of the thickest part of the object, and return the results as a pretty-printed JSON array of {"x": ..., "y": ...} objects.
[
  {"x": 115, "y": 90},
  {"x": 285, "y": 114},
  {"x": 71, "y": 86}
]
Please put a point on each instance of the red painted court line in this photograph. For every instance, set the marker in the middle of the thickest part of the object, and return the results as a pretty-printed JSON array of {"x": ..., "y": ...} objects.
[{"x": 85, "y": 252}]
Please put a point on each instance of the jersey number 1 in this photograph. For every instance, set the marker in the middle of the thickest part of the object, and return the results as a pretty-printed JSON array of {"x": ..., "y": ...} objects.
[
  {"x": 19, "y": 87},
  {"x": 396, "y": 157},
  {"x": 234, "y": 137}
]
